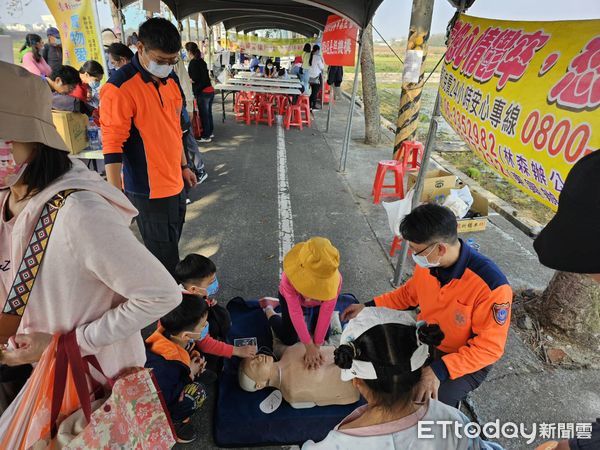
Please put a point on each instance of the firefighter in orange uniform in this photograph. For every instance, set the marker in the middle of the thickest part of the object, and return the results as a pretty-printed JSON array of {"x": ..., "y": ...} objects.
[{"x": 458, "y": 288}]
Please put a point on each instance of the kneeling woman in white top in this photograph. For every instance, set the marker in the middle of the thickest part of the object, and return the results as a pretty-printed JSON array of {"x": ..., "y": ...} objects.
[{"x": 382, "y": 352}]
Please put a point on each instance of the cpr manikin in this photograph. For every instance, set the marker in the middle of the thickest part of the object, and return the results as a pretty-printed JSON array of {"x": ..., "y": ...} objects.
[{"x": 300, "y": 387}]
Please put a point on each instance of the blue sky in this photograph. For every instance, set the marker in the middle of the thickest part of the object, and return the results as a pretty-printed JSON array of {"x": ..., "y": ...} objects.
[{"x": 393, "y": 16}]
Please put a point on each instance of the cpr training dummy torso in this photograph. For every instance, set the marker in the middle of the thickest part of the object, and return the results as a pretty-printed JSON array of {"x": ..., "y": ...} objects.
[{"x": 300, "y": 387}]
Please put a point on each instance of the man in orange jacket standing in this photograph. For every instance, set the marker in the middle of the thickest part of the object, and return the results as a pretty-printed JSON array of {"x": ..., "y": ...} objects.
[
  {"x": 459, "y": 289},
  {"x": 140, "y": 116}
]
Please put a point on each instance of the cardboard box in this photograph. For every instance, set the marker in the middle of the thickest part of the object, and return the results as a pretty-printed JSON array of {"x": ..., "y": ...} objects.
[
  {"x": 434, "y": 180},
  {"x": 480, "y": 205},
  {"x": 72, "y": 127}
]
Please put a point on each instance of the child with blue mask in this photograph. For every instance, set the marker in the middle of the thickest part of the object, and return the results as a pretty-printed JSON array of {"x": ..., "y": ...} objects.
[
  {"x": 178, "y": 367},
  {"x": 197, "y": 274}
]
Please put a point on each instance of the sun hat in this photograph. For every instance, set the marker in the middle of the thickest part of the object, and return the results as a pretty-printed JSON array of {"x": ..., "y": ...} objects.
[
  {"x": 30, "y": 120},
  {"x": 312, "y": 268},
  {"x": 570, "y": 242},
  {"x": 52, "y": 32}
]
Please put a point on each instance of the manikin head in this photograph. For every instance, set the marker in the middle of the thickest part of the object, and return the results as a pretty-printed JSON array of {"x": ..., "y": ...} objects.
[
  {"x": 431, "y": 232},
  {"x": 255, "y": 373}
]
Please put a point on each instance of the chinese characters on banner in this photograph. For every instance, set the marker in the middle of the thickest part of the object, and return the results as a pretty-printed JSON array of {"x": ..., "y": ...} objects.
[
  {"x": 338, "y": 46},
  {"x": 77, "y": 22},
  {"x": 524, "y": 96},
  {"x": 254, "y": 45}
]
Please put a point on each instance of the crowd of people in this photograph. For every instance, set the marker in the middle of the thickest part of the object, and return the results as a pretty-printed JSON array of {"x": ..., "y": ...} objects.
[
  {"x": 406, "y": 368},
  {"x": 308, "y": 68}
]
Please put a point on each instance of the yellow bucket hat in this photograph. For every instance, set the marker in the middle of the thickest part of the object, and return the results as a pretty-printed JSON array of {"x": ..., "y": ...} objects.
[{"x": 312, "y": 268}]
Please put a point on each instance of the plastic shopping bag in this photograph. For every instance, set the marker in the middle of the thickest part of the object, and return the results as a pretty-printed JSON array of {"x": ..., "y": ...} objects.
[
  {"x": 397, "y": 210},
  {"x": 26, "y": 422},
  {"x": 459, "y": 201}
]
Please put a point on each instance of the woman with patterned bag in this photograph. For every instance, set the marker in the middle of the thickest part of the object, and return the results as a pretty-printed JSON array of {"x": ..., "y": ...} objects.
[{"x": 70, "y": 266}]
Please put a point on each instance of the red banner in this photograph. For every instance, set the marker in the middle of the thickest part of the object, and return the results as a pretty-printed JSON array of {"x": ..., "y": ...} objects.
[{"x": 339, "y": 42}]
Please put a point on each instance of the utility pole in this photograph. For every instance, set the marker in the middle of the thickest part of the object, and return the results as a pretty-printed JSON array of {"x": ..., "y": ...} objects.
[
  {"x": 198, "y": 29},
  {"x": 414, "y": 68}
]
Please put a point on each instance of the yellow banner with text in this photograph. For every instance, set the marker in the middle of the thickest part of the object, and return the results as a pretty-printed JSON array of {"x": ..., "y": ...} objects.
[{"x": 524, "y": 96}]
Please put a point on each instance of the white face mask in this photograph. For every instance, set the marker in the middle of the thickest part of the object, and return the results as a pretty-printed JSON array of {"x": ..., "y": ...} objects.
[
  {"x": 10, "y": 170},
  {"x": 159, "y": 70},
  {"x": 422, "y": 260}
]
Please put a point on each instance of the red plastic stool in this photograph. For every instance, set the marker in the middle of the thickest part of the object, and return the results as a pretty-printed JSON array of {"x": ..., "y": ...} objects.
[
  {"x": 304, "y": 103},
  {"x": 327, "y": 97},
  {"x": 265, "y": 107},
  {"x": 396, "y": 244},
  {"x": 293, "y": 117},
  {"x": 241, "y": 96},
  {"x": 378, "y": 185},
  {"x": 246, "y": 112},
  {"x": 410, "y": 155},
  {"x": 284, "y": 102}
]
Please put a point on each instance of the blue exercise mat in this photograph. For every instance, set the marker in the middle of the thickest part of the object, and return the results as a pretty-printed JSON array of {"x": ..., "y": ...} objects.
[{"x": 238, "y": 419}]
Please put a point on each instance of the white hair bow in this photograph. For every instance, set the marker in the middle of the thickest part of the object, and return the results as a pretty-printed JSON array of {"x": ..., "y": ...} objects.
[{"x": 367, "y": 319}]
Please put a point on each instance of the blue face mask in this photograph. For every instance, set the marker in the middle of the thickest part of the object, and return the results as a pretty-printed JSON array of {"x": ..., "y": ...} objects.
[
  {"x": 203, "y": 334},
  {"x": 95, "y": 84},
  {"x": 213, "y": 288}
]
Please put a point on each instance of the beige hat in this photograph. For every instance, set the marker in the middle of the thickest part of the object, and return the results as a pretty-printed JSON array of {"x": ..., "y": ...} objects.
[
  {"x": 109, "y": 37},
  {"x": 26, "y": 108}
]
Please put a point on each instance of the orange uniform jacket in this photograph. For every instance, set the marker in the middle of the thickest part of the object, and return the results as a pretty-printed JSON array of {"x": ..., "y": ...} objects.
[
  {"x": 471, "y": 303},
  {"x": 141, "y": 128}
]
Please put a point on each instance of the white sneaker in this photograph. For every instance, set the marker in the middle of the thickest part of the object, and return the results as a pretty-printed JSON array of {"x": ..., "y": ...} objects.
[
  {"x": 202, "y": 177},
  {"x": 212, "y": 136},
  {"x": 205, "y": 140}
]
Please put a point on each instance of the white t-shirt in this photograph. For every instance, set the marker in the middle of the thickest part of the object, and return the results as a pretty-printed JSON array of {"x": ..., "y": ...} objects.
[{"x": 317, "y": 66}]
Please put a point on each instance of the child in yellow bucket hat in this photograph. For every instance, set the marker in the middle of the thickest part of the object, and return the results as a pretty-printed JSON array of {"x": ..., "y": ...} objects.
[{"x": 310, "y": 282}]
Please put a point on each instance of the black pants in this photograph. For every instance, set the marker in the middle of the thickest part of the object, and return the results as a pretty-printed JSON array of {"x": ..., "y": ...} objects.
[
  {"x": 451, "y": 392},
  {"x": 194, "y": 395},
  {"x": 283, "y": 327},
  {"x": 160, "y": 222}
]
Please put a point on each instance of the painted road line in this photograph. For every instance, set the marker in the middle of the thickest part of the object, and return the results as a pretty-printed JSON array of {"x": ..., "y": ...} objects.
[{"x": 286, "y": 221}]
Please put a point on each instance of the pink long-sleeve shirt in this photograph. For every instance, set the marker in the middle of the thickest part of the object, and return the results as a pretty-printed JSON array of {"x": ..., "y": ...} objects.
[
  {"x": 40, "y": 67},
  {"x": 296, "y": 301}
]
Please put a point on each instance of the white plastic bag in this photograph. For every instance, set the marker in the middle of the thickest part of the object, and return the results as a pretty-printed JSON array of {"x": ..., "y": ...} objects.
[
  {"x": 397, "y": 210},
  {"x": 459, "y": 201}
]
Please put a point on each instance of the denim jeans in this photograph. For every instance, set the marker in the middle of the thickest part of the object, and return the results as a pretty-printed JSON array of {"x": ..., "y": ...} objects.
[
  {"x": 304, "y": 78},
  {"x": 205, "y": 102}
]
